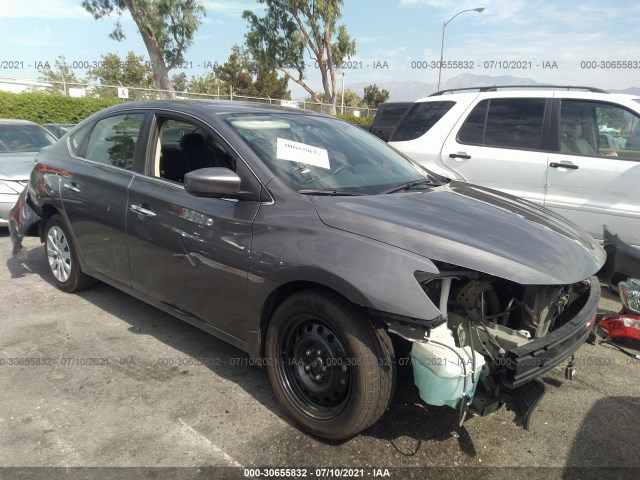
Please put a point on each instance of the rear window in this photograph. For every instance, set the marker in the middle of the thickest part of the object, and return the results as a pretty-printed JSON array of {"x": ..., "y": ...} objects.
[
  {"x": 24, "y": 138},
  {"x": 419, "y": 120},
  {"x": 391, "y": 114}
]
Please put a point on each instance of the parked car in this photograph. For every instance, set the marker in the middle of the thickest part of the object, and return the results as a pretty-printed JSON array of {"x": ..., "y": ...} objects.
[
  {"x": 387, "y": 117},
  {"x": 20, "y": 140},
  {"x": 58, "y": 129},
  {"x": 552, "y": 146},
  {"x": 311, "y": 244}
]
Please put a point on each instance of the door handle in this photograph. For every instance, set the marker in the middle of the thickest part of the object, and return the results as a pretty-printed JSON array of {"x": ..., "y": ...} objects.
[
  {"x": 140, "y": 210},
  {"x": 460, "y": 155},
  {"x": 71, "y": 187},
  {"x": 570, "y": 166}
]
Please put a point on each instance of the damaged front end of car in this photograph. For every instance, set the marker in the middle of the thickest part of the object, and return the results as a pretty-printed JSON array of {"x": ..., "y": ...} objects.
[{"x": 495, "y": 339}]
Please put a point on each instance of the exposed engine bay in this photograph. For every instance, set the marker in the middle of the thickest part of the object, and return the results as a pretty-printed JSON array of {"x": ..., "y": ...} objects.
[
  {"x": 498, "y": 314},
  {"x": 474, "y": 360}
]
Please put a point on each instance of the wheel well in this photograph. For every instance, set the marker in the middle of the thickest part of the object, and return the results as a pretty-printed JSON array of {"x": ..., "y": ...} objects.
[
  {"x": 279, "y": 295},
  {"x": 47, "y": 212}
]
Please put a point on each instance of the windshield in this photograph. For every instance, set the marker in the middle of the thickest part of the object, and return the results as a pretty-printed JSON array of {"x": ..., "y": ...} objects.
[
  {"x": 314, "y": 154},
  {"x": 24, "y": 138}
]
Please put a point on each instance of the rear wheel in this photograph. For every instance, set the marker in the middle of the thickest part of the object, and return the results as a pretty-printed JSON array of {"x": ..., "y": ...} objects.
[
  {"x": 62, "y": 258},
  {"x": 331, "y": 368}
]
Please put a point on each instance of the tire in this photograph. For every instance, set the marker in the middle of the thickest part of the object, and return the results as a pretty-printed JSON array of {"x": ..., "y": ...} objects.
[
  {"x": 331, "y": 367},
  {"x": 62, "y": 260}
]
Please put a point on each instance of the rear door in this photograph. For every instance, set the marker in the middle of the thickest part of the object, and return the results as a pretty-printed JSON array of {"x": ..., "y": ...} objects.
[
  {"x": 593, "y": 178},
  {"x": 94, "y": 194},
  {"x": 502, "y": 144},
  {"x": 188, "y": 252}
]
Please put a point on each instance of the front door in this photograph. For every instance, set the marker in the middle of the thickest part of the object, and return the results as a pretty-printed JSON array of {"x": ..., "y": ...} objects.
[
  {"x": 500, "y": 145},
  {"x": 191, "y": 253}
]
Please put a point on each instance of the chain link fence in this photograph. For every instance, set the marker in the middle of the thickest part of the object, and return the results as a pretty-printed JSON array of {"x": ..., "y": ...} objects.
[{"x": 74, "y": 89}]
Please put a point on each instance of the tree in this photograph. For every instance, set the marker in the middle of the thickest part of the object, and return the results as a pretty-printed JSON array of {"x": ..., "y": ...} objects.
[
  {"x": 267, "y": 84},
  {"x": 351, "y": 99},
  {"x": 207, "y": 84},
  {"x": 133, "y": 71},
  {"x": 179, "y": 82},
  {"x": 289, "y": 27},
  {"x": 373, "y": 97},
  {"x": 236, "y": 71},
  {"x": 247, "y": 77},
  {"x": 59, "y": 76},
  {"x": 167, "y": 28}
]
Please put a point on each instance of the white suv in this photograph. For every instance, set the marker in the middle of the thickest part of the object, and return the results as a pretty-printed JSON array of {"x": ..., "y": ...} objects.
[{"x": 575, "y": 150}]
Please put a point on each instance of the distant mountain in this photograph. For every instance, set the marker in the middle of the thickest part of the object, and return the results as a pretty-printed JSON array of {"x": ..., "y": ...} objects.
[
  {"x": 411, "y": 91},
  {"x": 398, "y": 91},
  {"x": 628, "y": 91},
  {"x": 467, "y": 80}
]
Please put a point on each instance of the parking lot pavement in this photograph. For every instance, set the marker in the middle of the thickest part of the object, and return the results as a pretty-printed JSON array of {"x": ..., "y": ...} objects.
[{"x": 122, "y": 384}]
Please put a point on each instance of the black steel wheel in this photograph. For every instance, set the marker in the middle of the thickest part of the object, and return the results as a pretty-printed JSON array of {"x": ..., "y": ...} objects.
[{"x": 331, "y": 368}]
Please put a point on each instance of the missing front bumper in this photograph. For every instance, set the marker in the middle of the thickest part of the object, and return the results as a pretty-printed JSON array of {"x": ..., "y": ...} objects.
[{"x": 526, "y": 362}]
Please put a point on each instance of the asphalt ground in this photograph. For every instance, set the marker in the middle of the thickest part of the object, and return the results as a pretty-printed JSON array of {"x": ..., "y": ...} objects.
[{"x": 120, "y": 384}]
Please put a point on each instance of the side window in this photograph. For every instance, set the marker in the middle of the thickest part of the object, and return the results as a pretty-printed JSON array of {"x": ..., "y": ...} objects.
[
  {"x": 472, "y": 131},
  {"x": 599, "y": 129},
  {"x": 183, "y": 147},
  {"x": 506, "y": 123},
  {"x": 77, "y": 138},
  {"x": 419, "y": 120},
  {"x": 113, "y": 140}
]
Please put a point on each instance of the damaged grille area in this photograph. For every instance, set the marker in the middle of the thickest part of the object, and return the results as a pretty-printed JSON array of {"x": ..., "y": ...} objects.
[
  {"x": 520, "y": 331},
  {"x": 472, "y": 299}
]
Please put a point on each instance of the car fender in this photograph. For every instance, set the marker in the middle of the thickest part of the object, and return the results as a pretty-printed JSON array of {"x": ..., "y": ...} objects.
[{"x": 367, "y": 272}]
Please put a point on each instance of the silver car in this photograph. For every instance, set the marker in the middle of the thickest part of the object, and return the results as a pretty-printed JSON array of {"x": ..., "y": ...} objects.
[{"x": 20, "y": 140}]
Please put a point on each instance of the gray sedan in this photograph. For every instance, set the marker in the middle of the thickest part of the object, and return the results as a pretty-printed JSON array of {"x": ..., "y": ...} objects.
[
  {"x": 328, "y": 256},
  {"x": 20, "y": 140}
]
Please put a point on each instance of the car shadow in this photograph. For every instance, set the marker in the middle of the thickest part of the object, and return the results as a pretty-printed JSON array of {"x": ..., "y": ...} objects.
[
  {"x": 23, "y": 264},
  {"x": 611, "y": 421},
  {"x": 398, "y": 427}
]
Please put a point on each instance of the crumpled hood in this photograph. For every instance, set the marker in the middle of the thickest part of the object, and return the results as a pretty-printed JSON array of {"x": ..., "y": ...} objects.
[
  {"x": 473, "y": 227},
  {"x": 16, "y": 166}
]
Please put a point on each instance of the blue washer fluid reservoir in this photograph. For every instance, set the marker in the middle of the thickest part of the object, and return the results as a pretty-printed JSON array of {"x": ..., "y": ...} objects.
[{"x": 439, "y": 373}]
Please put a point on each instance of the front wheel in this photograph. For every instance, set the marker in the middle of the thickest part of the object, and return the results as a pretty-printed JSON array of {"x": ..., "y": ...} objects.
[
  {"x": 62, "y": 259},
  {"x": 331, "y": 368}
]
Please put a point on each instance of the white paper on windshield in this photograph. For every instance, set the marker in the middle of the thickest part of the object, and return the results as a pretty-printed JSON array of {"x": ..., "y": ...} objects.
[{"x": 302, "y": 153}]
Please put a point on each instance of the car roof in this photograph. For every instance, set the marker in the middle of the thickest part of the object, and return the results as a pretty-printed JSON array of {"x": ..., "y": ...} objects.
[
  {"x": 557, "y": 92},
  {"x": 16, "y": 121},
  {"x": 212, "y": 107}
]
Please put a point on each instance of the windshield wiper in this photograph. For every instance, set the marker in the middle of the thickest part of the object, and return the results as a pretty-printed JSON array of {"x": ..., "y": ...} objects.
[
  {"x": 328, "y": 191},
  {"x": 409, "y": 185}
]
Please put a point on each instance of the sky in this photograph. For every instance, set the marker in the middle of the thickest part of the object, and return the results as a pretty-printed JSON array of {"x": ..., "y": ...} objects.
[{"x": 561, "y": 42}]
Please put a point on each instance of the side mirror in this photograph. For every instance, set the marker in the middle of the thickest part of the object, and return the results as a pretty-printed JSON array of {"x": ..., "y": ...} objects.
[{"x": 214, "y": 182}]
